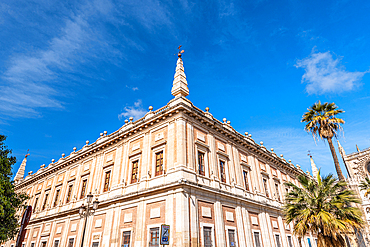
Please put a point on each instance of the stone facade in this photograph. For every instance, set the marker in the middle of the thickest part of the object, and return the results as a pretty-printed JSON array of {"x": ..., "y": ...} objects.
[
  {"x": 358, "y": 168},
  {"x": 178, "y": 166}
]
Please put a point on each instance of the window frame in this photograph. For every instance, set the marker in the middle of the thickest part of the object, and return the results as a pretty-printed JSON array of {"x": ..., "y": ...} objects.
[
  {"x": 69, "y": 238},
  {"x": 135, "y": 158},
  {"x": 69, "y": 196},
  {"x": 202, "y": 148},
  {"x": 202, "y": 225},
  {"x": 46, "y": 198},
  {"x": 266, "y": 186},
  {"x": 254, "y": 239},
  {"x": 277, "y": 190},
  {"x": 83, "y": 191},
  {"x": 221, "y": 159},
  {"x": 275, "y": 238},
  {"x": 57, "y": 196},
  {"x": 291, "y": 239},
  {"x": 233, "y": 228},
  {"x": 148, "y": 233},
  {"x": 106, "y": 171},
  {"x": 129, "y": 229}
]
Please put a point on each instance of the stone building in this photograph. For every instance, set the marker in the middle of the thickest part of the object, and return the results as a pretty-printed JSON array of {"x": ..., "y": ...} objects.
[
  {"x": 358, "y": 168},
  {"x": 178, "y": 166}
]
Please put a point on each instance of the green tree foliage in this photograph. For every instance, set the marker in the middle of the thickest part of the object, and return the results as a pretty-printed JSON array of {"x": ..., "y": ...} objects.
[
  {"x": 365, "y": 185},
  {"x": 325, "y": 207},
  {"x": 322, "y": 122},
  {"x": 11, "y": 203}
]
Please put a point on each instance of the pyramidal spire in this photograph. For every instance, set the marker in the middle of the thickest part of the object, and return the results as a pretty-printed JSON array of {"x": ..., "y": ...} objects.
[
  {"x": 314, "y": 169},
  {"x": 180, "y": 85},
  {"x": 20, "y": 174},
  {"x": 341, "y": 150}
]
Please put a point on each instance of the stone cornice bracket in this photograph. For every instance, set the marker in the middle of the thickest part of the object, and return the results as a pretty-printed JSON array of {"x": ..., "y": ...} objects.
[{"x": 180, "y": 85}]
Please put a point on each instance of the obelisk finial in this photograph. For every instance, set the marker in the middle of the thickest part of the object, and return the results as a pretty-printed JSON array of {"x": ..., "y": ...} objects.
[
  {"x": 180, "y": 85},
  {"x": 179, "y": 54},
  {"x": 314, "y": 169},
  {"x": 20, "y": 174}
]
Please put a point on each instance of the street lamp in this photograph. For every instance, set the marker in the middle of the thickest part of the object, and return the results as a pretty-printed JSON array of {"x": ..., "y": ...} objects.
[{"x": 86, "y": 211}]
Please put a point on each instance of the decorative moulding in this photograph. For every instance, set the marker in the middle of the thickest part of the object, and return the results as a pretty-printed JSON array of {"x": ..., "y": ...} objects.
[
  {"x": 201, "y": 137},
  {"x": 73, "y": 227},
  {"x": 159, "y": 144},
  {"x": 127, "y": 218},
  {"x": 202, "y": 144},
  {"x": 135, "y": 147},
  {"x": 221, "y": 146},
  {"x": 155, "y": 213},
  {"x": 59, "y": 230},
  {"x": 159, "y": 136},
  {"x": 243, "y": 158},
  {"x": 275, "y": 224},
  {"x": 222, "y": 154},
  {"x": 98, "y": 223},
  {"x": 206, "y": 212},
  {"x": 254, "y": 220},
  {"x": 229, "y": 216}
]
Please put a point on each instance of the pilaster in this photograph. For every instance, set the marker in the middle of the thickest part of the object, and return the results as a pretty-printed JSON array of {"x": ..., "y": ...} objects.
[
  {"x": 182, "y": 219},
  {"x": 219, "y": 224},
  {"x": 181, "y": 142},
  {"x": 191, "y": 146},
  {"x": 240, "y": 225}
]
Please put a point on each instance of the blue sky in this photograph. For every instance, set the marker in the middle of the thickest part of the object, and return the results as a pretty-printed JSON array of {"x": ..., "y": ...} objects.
[{"x": 70, "y": 70}]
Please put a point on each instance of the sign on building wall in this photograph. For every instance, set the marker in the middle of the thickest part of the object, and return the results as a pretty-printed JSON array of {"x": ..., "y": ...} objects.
[{"x": 165, "y": 234}]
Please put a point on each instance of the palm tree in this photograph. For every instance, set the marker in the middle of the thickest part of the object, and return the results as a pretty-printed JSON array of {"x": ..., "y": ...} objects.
[
  {"x": 322, "y": 122},
  {"x": 323, "y": 207},
  {"x": 365, "y": 185}
]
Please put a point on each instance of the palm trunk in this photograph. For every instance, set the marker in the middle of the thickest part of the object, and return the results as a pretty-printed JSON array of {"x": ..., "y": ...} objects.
[{"x": 335, "y": 158}]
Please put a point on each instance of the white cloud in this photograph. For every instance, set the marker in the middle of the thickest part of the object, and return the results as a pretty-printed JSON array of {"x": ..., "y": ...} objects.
[
  {"x": 136, "y": 111},
  {"x": 324, "y": 74}
]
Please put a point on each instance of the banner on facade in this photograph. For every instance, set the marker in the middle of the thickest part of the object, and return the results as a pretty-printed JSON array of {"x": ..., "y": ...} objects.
[
  {"x": 165, "y": 234},
  {"x": 22, "y": 231}
]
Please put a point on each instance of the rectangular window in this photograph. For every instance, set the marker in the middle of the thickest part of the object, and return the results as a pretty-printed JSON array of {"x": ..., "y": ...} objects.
[
  {"x": 257, "y": 241},
  {"x": 207, "y": 233},
  {"x": 45, "y": 201},
  {"x": 159, "y": 163},
  {"x": 290, "y": 243},
  {"x": 265, "y": 187},
  {"x": 69, "y": 193},
  {"x": 70, "y": 242},
  {"x": 277, "y": 191},
  {"x": 222, "y": 171},
  {"x": 231, "y": 234},
  {"x": 32, "y": 244},
  {"x": 56, "y": 198},
  {"x": 23, "y": 245},
  {"x": 154, "y": 237},
  {"x": 126, "y": 239},
  {"x": 106, "y": 181},
  {"x": 35, "y": 205},
  {"x": 43, "y": 244},
  {"x": 135, "y": 171},
  {"x": 83, "y": 190},
  {"x": 95, "y": 244},
  {"x": 201, "y": 169},
  {"x": 56, "y": 243},
  {"x": 245, "y": 175},
  {"x": 277, "y": 238}
]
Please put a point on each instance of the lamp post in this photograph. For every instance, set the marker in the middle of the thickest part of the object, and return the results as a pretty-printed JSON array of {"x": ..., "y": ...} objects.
[{"x": 86, "y": 211}]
